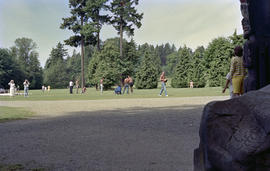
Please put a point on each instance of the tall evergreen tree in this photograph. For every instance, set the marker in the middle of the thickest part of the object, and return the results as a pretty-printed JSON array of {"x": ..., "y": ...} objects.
[
  {"x": 94, "y": 9},
  {"x": 217, "y": 61},
  {"x": 172, "y": 61},
  {"x": 25, "y": 53},
  {"x": 9, "y": 69},
  {"x": 237, "y": 40},
  {"x": 197, "y": 70},
  {"x": 105, "y": 64},
  {"x": 147, "y": 75},
  {"x": 55, "y": 72},
  {"x": 181, "y": 73},
  {"x": 84, "y": 31},
  {"x": 124, "y": 17}
]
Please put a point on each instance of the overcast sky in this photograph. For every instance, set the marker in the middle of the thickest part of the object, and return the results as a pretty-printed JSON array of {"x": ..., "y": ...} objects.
[{"x": 190, "y": 22}]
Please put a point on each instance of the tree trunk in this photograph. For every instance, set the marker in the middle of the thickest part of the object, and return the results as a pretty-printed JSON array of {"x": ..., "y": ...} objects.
[
  {"x": 82, "y": 56},
  {"x": 98, "y": 40},
  {"x": 121, "y": 40}
]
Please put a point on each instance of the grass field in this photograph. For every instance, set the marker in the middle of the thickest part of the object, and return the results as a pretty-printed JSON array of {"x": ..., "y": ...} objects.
[
  {"x": 13, "y": 113},
  {"x": 92, "y": 94}
]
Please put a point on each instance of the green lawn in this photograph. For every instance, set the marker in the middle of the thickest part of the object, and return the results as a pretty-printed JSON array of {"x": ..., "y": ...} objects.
[
  {"x": 92, "y": 94},
  {"x": 13, "y": 113}
]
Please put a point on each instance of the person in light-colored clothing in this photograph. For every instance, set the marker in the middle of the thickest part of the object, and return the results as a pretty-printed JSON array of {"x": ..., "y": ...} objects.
[
  {"x": 71, "y": 84},
  {"x": 101, "y": 85},
  {"x": 26, "y": 87},
  {"x": 229, "y": 85},
  {"x": 12, "y": 88}
]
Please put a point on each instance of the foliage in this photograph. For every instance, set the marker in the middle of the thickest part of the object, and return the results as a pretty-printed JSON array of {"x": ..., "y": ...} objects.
[
  {"x": 196, "y": 72},
  {"x": 105, "y": 64},
  {"x": 9, "y": 69},
  {"x": 55, "y": 72},
  {"x": 26, "y": 55},
  {"x": 181, "y": 72},
  {"x": 125, "y": 17},
  {"x": 147, "y": 75},
  {"x": 217, "y": 61}
]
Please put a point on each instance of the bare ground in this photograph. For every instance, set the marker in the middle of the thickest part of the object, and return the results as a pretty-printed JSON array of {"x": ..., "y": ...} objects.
[{"x": 105, "y": 135}]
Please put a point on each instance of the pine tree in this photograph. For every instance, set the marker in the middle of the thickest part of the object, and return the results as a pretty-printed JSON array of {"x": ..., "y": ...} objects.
[
  {"x": 105, "y": 64},
  {"x": 217, "y": 61},
  {"x": 197, "y": 71},
  {"x": 124, "y": 17},
  {"x": 55, "y": 72},
  {"x": 25, "y": 53},
  {"x": 93, "y": 9},
  {"x": 147, "y": 75},
  {"x": 181, "y": 72},
  {"x": 80, "y": 26},
  {"x": 9, "y": 69}
]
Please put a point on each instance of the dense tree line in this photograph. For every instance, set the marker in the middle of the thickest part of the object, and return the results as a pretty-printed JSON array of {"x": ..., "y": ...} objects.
[
  {"x": 115, "y": 58},
  {"x": 204, "y": 66},
  {"x": 21, "y": 62}
]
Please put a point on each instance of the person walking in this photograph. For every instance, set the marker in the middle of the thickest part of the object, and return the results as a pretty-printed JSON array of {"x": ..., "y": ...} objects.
[
  {"x": 229, "y": 84},
  {"x": 130, "y": 83},
  {"x": 101, "y": 85},
  {"x": 26, "y": 87},
  {"x": 11, "y": 88},
  {"x": 71, "y": 84},
  {"x": 126, "y": 85},
  {"x": 163, "y": 84},
  {"x": 237, "y": 72}
]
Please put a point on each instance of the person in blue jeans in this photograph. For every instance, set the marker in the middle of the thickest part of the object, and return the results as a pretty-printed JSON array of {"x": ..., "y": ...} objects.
[
  {"x": 118, "y": 90},
  {"x": 126, "y": 85},
  {"x": 163, "y": 84},
  {"x": 26, "y": 87}
]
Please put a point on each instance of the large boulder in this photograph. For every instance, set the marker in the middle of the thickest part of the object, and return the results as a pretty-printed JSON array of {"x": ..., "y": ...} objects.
[{"x": 235, "y": 134}]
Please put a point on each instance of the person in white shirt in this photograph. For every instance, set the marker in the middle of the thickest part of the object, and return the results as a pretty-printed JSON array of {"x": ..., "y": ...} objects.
[
  {"x": 26, "y": 87},
  {"x": 12, "y": 88},
  {"x": 71, "y": 84},
  {"x": 229, "y": 84}
]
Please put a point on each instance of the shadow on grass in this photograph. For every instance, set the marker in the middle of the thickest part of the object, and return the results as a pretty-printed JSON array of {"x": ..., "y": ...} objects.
[{"x": 128, "y": 139}]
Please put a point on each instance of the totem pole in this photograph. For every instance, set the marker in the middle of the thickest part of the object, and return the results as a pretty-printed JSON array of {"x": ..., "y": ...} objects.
[{"x": 256, "y": 26}]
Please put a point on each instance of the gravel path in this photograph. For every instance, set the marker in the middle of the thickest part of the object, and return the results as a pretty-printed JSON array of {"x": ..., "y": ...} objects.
[{"x": 105, "y": 135}]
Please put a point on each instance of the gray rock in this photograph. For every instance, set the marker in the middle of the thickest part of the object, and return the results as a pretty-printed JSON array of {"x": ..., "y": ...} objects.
[{"x": 235, "y": 134}]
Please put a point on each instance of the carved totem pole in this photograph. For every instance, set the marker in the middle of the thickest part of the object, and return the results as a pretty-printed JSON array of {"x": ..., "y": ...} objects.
[
  {"x": 235, "y": 134},
  {"x": 256, "y": 26}
]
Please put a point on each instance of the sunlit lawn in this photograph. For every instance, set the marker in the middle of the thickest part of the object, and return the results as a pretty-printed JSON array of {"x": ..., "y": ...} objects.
[
  {"x": 13, "y": 113},
  {"x": 92, "y": 94}
]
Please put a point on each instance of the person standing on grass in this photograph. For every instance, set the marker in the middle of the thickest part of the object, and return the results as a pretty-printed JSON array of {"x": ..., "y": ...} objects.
[
  {"x": 101, "y": 85},
  {"x": 130, "y": 83},
  {"x": 191, "y": 84},
  {"x": 26, "y": 87},
  {"x": 237, "y": 72},
  {"x": 71, "y": 84},
  {"x": 11, "y": 88},
  {"x": 77, "y": 86},
  {"x": 163, "y": 84},
  {"x": 126, "y": 85},
  {"x": 229, "y": 84}
]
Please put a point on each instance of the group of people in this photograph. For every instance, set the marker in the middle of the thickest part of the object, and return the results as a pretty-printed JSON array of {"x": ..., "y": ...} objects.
[
  {"x": 13, "y": 88},
  {"x": 235, "y": 78},
  {"x": 128, "y": 84},
  {"x": 44, "y": 88},
  {"x": 77, "y": 86}
]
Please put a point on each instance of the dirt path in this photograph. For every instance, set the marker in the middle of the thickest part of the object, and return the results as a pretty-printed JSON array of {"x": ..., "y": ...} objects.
[
  {"x": 105, "y": 135},
  {"x": 59, "y": 108}
]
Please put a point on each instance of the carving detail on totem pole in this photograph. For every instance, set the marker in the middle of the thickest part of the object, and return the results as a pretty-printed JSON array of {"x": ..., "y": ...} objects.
[{"x": 256, "y": 28}]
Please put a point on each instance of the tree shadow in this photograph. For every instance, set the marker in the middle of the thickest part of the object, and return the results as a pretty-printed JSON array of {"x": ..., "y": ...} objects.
[{"x": 160, "y": 138}]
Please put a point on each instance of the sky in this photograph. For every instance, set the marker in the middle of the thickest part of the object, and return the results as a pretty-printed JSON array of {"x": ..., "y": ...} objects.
[{"x": 181, "y": 22}]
